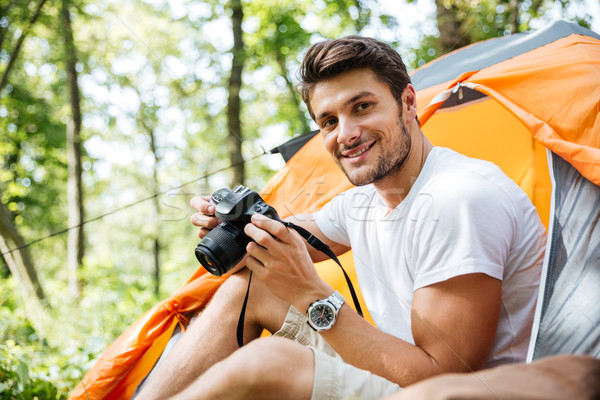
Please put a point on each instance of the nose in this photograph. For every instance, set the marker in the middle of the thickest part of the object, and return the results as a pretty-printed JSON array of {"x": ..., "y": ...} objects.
[{"x": 349, "y": 132}]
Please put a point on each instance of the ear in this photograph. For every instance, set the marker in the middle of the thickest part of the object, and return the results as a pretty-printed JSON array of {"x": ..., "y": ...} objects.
[{"x": 409, "y": 103}]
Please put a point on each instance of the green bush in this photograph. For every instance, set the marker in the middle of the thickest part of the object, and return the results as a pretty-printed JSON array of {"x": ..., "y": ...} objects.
[
  {"x": 21, "y": 379},
  {"x": 49, "y": 364}
]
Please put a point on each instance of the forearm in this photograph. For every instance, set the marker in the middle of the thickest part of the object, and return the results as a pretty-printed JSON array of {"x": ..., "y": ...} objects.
[
  {"x": 453, "y": 325},
  {"x": 366, "y": 347}
]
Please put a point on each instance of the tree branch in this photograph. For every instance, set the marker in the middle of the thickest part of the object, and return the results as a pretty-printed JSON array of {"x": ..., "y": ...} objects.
[
  {"x": 17, "y": 49},
  {"x": 4, "y": 11},
  {"x": 293, "y": 92}
]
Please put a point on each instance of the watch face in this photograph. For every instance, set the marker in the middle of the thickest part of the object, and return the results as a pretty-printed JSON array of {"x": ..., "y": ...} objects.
[{"x": 322, "y": 315}]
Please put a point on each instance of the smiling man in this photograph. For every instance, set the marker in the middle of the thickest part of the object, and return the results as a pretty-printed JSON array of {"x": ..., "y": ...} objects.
[{"x": 448, "y": 252}]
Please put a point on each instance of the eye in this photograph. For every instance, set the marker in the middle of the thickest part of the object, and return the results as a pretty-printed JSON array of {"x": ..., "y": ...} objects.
[
  {"x": 329, "y": 122},
  {"x": 362, "y": 106}
]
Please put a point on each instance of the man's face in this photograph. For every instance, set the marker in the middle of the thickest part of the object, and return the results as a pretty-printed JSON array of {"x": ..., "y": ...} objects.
[{"x": 361, "y": 124}]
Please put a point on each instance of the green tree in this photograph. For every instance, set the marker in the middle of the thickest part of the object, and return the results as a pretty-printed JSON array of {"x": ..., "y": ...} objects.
[
  {"x": 461, "y": 23},
  {"x": 23, "y": 146},
  {"x": 147, "y": 119},
  {"x": 233, "y": 103},
  {"x": 75, "y": 242},
  {"x": 10, "y": 11}
]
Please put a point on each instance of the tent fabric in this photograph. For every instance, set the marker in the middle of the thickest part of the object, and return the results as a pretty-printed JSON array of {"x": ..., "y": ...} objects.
[
  {"x": 291, "y": 147},
  {"x": 484, "y": 129},
  {"x": 507, "y": 112},
  {"x": 490, "y": 52},
  {"x": 116, "y": 374},
  {"x": 553, "y": 92},
  {"x": 568, "y": 312}
]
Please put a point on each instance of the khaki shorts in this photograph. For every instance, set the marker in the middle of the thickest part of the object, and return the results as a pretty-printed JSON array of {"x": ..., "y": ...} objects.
[{"x": 334, "y": 379}]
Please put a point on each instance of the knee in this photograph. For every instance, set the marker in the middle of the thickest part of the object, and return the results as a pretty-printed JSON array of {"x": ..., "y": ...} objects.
[
  {"x": 230, "y": 294},
  {"x": 272, "y": 363},
  {"x": 236, "y": 283}
]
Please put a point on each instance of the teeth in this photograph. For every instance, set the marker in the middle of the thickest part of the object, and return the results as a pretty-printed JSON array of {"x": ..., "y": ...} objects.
[{"x": 358, "y": 153}]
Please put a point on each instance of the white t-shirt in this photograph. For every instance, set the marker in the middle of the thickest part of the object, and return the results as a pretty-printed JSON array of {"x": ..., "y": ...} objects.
[{"x": 461, "y": 216}]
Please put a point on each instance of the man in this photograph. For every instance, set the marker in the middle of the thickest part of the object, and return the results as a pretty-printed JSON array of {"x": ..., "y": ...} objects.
[{"x": 447, "y": 249}]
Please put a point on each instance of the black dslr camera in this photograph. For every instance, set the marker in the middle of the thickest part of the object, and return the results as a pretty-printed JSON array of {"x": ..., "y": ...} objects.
[{"x": 223, "y": 247}]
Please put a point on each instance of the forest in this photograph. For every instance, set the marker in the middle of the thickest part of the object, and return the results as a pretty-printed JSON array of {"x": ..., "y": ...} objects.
[{"x": 113, "y": 114}]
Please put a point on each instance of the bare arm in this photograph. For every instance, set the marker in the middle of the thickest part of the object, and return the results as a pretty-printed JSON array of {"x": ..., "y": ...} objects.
[
  {"x": 453, "y": 322},
  {"x": 453, "y": 325}
]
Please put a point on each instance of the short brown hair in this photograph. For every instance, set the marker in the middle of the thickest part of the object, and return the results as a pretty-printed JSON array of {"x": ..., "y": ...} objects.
[{"x": 332, "y": 57}]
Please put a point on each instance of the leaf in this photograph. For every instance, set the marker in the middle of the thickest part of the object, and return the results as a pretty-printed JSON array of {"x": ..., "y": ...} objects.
[
  {"x": 23, "y": 373},
  {"x": 3, "y": 387}
]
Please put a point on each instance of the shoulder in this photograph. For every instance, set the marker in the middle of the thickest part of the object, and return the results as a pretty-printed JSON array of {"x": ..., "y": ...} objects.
[
  {"x": 457, "y": 189},
  {"x": 458, "y": 179}
]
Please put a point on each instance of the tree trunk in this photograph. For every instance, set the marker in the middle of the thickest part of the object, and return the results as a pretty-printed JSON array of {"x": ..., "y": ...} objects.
[
  {"x": 156, "y": 189},
  {"x": 233, "y": 104},
  {"x": 452, "y": 34},
  {"x": 75, "y": 242},
  {"x": 513, "y": 18},
  {"x": 293, "y": 92},
  {"x": 21, "y": 267},
  {"x": 3, "y": 30}
]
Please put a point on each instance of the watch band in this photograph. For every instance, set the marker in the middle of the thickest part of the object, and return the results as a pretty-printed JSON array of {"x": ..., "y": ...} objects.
[{"x": 336, "y": 299}]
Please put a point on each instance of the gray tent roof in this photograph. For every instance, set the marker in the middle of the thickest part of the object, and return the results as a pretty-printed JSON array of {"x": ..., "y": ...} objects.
[{"x": 485, "y": 54}]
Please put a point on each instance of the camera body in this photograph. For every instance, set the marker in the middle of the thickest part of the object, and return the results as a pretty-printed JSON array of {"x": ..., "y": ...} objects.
[{"x": 225, "y": 246}]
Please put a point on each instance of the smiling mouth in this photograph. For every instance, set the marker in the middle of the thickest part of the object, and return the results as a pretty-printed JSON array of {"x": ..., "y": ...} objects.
[{"x": 358, "y": 153}]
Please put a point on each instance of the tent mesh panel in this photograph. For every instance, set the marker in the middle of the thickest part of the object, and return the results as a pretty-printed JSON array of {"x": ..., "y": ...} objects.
[{"x": 570, "y": 316}]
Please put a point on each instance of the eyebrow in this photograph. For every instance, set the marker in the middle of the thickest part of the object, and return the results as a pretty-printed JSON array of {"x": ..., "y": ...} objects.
[{"x": 353, "y": 99}]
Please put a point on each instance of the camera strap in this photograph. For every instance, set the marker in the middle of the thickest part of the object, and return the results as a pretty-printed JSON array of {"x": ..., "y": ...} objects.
[
  {"x": 316, "y": 243},
  {"x": 323, "y": 248}
]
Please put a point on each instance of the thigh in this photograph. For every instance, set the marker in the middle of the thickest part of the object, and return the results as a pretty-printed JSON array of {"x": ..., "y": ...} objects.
[{"x": 552, "y": 378}]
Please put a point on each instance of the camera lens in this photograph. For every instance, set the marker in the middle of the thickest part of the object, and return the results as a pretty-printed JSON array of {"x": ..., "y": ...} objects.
[
  {"x": 222, "y": 248},
  {"x": 205, "y": 260}
]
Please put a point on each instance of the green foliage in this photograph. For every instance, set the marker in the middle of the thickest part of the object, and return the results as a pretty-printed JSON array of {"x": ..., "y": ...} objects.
[
  {"x": 80, "y": 332},
  {"x": 481, "y": 20},
  {"x": 31, "y": 159},
  {"x": 17, "y": 381},
  {"x": 27, "y": 363}
]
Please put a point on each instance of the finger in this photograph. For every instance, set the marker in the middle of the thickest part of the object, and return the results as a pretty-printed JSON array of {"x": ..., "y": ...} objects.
[
  {"x": 202, "y": 232},
  {"x": 255, "y": 265},
  {"x": 260, "y": 236},
  {"x": 204, "y": 221},
  {"x": 273, "y": 227},
  {"x": 202, "y": 204},
  {"x": 258, "y": 252}
]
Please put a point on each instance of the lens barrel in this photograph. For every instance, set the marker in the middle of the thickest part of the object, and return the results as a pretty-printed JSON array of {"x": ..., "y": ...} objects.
[{"x": 222, "y": 248}]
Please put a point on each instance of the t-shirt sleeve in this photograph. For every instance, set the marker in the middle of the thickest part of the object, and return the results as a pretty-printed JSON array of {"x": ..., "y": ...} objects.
[
  {"x": 464, "y": 228},
  {"x": 331, "y": 219}
]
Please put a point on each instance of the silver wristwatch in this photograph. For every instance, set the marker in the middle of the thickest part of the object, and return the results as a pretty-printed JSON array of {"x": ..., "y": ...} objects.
[{"x": 321, "y": 314}]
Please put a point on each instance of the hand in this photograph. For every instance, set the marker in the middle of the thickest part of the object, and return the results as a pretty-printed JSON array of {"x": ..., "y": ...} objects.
[
  {"x": 279, "y": 258},
  {"x": 204, "y": 218}
]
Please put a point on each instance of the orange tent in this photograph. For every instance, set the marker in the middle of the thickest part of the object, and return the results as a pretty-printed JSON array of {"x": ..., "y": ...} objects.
[{"x": 505, "y": 100}]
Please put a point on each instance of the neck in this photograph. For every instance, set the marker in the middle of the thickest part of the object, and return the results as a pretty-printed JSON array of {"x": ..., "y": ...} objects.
[{"x": 395, "y": 187}]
